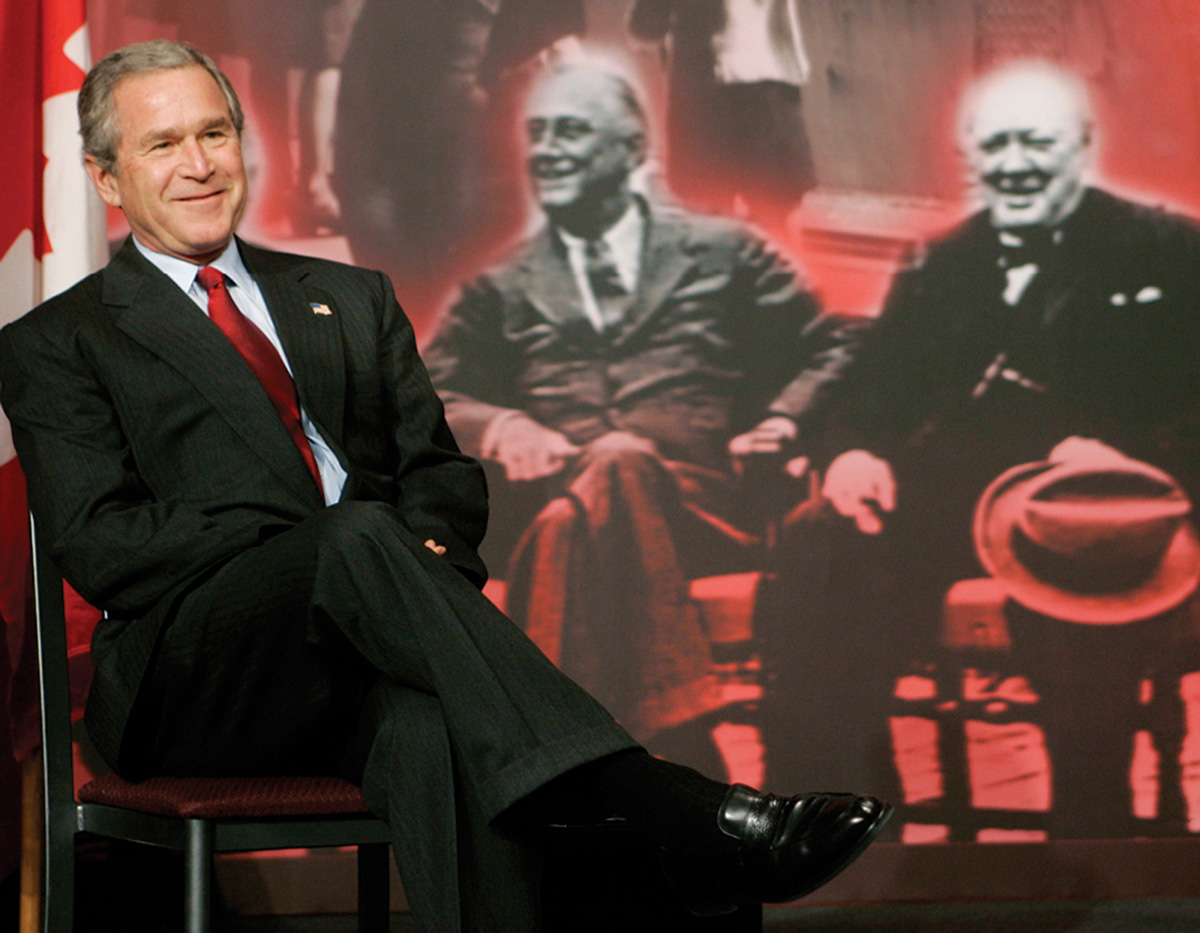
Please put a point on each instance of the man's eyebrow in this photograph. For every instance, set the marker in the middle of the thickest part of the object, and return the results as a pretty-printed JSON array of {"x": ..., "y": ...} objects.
[{"x": 174, "y": 132}]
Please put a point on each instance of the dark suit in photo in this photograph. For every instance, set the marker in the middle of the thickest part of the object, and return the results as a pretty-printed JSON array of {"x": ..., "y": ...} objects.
[
  {"x": 717, "y": 335},
  {"x": 952, "y": 386}
]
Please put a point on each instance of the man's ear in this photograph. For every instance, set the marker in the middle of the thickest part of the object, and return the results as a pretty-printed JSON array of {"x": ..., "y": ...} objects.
[
  {"x": 637, "y": 149},
  {"x": 104, "y": 181}
]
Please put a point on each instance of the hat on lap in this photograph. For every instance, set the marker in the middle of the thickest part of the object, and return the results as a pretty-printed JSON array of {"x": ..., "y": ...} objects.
[{"x": 1099, "y": 542}]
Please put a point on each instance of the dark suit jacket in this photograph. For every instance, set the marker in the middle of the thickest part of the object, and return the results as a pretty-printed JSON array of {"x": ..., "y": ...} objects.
[
  {"x": 1106, "y": 336},
  {"x": 153, "y": 454},
  {"x": 719, "y": 336}
]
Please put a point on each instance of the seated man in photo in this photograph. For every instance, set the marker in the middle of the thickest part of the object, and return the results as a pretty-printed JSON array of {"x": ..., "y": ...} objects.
[
  {"x": 1057, "y": 323},
  {"x": 615, "y": 366}
]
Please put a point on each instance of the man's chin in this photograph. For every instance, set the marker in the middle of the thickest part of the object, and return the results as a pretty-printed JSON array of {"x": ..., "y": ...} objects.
[
  {"x": 1019, "y": 213},
  {"x": 556, "y": 197}
]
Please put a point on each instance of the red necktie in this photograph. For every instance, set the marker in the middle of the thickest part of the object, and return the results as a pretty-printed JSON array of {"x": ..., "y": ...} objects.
[{"x": 262, "y": 357}]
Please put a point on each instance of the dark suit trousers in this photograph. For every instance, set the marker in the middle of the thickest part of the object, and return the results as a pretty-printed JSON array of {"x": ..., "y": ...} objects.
[{"x": 343, "y": 643}]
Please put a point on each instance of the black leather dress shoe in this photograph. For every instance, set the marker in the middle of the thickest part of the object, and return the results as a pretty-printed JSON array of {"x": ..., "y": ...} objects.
[{"x": 786, "y": 847}]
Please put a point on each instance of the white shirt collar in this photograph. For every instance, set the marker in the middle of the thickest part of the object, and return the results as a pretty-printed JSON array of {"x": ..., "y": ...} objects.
[
  {"x": 624, "y": 239},
  {"x": 183, "y": 273}
]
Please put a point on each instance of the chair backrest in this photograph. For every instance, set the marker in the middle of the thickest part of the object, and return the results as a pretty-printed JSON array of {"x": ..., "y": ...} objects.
[{"x": 54, "y": 688}]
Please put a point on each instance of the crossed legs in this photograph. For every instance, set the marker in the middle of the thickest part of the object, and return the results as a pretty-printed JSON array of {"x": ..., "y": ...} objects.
[{"x": 347, "y": 627}]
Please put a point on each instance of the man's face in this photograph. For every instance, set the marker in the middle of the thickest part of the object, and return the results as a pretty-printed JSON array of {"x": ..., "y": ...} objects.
[
  {"x": 1027, "y": 146},
  {"x": 583, "y": 144},
  {"x": 179, "y": 176}
]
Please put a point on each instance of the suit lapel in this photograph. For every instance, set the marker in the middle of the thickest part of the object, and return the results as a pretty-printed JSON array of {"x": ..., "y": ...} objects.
[
  {"x": 549, "y": 281},
  {"x": 306, "y": 318},
  {"x": 166, "y": 322},
  {"x": 665, "y": 259},
  {"x": 550, "y": 284},
  {"x": 1082, "y": 253}
]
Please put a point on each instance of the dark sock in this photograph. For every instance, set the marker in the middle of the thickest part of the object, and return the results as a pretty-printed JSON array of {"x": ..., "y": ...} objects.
[{"x": 671, "y": 803}]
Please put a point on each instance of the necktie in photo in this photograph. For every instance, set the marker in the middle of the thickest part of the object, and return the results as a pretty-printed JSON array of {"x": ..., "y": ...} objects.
[
  {"x": 262, "y": 358},
  {"x": 612, "y": 298}
]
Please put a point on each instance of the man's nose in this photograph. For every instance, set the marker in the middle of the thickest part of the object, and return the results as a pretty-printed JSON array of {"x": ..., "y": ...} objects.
[
  {"x": 1014, "y": 157},
  {"x": 545, "y": 145},
  {"x": 196, "y": 161}
]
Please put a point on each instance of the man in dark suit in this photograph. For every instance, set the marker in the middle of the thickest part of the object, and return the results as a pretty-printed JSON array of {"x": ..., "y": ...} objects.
[
  {"x": 238, "y": 455},
  {"x": 1058, "y": 322},
  {"x": 611, "y": 367}
]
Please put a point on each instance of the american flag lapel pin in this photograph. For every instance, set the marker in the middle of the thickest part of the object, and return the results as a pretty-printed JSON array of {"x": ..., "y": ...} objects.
[{"x": 318, "y": 308}]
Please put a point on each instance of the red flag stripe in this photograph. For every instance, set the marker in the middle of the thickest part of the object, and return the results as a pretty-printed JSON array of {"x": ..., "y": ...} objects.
[{"x": 38, "y": 40}]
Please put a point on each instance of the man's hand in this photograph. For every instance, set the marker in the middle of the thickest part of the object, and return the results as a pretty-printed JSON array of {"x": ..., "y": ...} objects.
[
  {"x": 438, "y": 549},
  {"x": 768, "y": 438},
  {"x": 1086, "y": 450},
  {"x": 860, "y": 485},
  {"x": 529, "y": 451}
]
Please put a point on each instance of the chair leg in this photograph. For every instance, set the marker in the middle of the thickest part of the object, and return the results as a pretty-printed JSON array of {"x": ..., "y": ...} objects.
[
  {"x": 373, "y": 906},
  {"x": 198, "y": 861},
  {"x": 47, "y": 859},
  {"x": 33, "y": 847}
]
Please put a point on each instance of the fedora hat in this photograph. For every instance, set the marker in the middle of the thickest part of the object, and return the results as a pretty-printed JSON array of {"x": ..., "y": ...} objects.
[{"x": 1100, "y": 543}]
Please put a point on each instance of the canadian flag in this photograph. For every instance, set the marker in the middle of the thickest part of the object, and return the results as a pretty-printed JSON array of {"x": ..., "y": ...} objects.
[{"x": 51, "y": 235}]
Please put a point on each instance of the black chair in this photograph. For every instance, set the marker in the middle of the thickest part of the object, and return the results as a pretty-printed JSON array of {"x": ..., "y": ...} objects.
[{"x": 195, "y": 816}]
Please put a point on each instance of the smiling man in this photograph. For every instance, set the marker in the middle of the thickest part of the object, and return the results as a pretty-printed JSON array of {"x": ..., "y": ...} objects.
[
  {"x": 177, "y": 174},
  {"x": 1027, "y": 136},
  {"x": 237, "y": 454},
  {"x": 1059, "y": 321},
  {"x": 614, "y": 368}
]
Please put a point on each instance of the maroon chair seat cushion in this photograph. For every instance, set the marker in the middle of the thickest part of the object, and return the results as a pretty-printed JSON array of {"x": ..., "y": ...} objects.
[{"x": 228, "y": 798}]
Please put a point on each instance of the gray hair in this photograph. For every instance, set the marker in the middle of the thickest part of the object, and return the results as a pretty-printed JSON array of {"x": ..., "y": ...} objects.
[
  {"x": 98, "y": 124},
  {"x": 602, "y": 75}
]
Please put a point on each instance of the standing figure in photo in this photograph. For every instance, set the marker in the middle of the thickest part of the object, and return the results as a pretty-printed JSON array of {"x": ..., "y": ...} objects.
[
  {"x": 1056, "y": 324},
  {"x": 237, "y": 454},
  {"x": 615, "y": 367},
  {"x": 735, "y": 128},
  {"x": 419, "y": 163}
]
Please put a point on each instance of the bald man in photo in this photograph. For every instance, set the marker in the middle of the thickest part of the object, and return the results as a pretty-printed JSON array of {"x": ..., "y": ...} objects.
[{"x": 1059, "y": 321}]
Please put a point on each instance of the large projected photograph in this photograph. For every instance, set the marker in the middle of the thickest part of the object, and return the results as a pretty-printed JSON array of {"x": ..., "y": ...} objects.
[
  {"x": 834, "y": 365},
  {"x": 833, "y": 362}
]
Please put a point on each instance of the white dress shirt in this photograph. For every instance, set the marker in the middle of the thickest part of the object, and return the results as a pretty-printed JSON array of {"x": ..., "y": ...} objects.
[
  {"x": 624, "y": 240},
  {"x": 246, "y": 295}
]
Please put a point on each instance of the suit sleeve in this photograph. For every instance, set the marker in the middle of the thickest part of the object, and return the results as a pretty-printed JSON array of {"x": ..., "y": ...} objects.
[
  {"x": 795, "y": 352},
  {"x": 884, "y": 391},
  {"x": 472, "y": 365},
  {"x": 442, "y": 492},
  {"x": 119, "y": 547}
]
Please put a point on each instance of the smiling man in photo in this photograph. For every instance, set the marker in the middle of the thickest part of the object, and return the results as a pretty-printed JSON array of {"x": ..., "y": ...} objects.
[
  {"x": 1059, "y": 322},
  {"x": 614, "y": 368}
]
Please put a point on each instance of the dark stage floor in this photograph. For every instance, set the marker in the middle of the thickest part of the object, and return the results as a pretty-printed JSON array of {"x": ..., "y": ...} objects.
[
  {"x": 1147, "y": 916},
  {"x": 1161, "y": 915}
]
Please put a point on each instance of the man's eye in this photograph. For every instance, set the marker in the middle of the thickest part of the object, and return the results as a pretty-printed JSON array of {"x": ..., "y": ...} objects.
[{"x": 573, "y": 130}]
